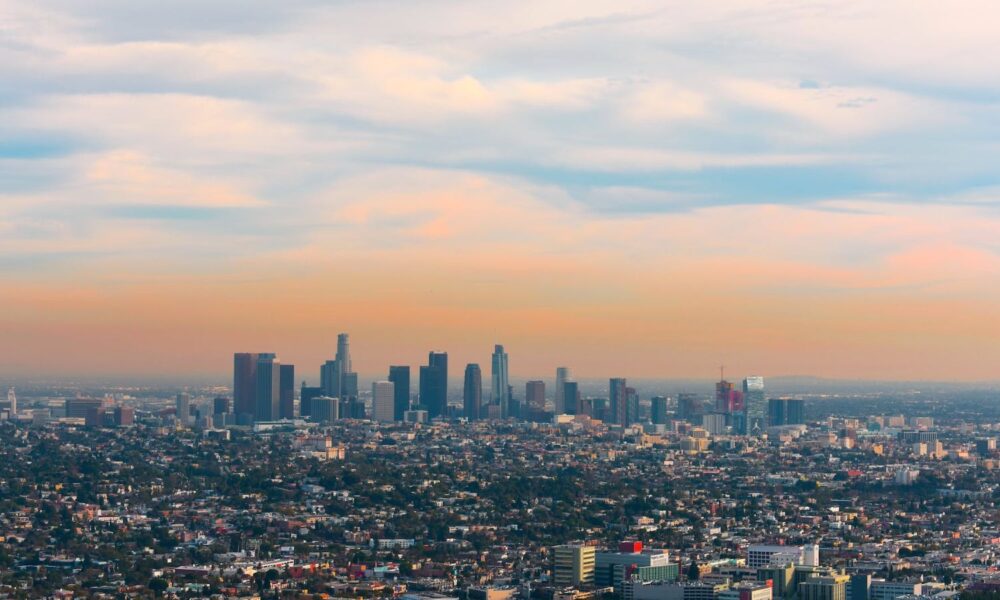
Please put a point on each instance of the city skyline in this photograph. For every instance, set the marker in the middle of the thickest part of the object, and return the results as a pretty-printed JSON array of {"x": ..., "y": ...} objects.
[{"x": 607, "y": 183}]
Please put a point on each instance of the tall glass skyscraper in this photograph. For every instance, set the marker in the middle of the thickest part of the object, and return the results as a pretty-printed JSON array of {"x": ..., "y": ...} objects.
[
  {"x": 501, "y": 381},
  {"x": 472, "y": 392},
  {"x": 399, "y": 375},
  {"x": 434, "y": 384},
  {"x": 268, "y": 387},
  {"x": 754, "y": 405},
  {"x": 618, "y": 397},
  {"x": 561, "y": 404}
]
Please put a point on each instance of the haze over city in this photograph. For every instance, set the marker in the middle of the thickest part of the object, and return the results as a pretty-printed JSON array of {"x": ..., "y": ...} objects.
[{"x": 640, "y": 188}]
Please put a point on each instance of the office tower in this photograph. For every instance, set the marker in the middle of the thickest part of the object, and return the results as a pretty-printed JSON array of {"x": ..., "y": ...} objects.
[
  {"x": 689, "y": 407},
  {"x": 384, "y": 401},
  {"x": 658, "y": 410},
  {"x": 573, "y": 565},
  {"x": 306, "y": 396},
  {"x": 11, "y": 402},
  {"x": 832, "y": 587},
  {"x": 633, "y": 562},
  {"x": 501, "y": 381},
  {"x": 753, "y": 405},
  {"x": 785, "y": 411},
  {"x": 631, "y": 406},
  {"x": 348, "y": 379},
  {"x": 268, "y": 387},
  {"x": 561, "y": 405},
  {"x": 781, "y": 578},
  {"x": 534, "y": 395},
  {"x": 245, "y": 386},
  {"x": 124, "y": 416},
  {"x": 286, "y": 393},
  {"x": 324, "y": 409},
  {"x": 220, "y": 405},
  {"x": 184, "y": 408},
  {"x": 344, "y": 353},
  {"x": 330, "y": 378},
  {"x": 77, "y": 408},
  {"x": 349, "y": 384},
  {"x": 795, "y": 411},
  {"x": 724, "y": 397},
  {"x": 571, "y": 399},
  {"x": 619, "y": 400},
  {"x": 434, "y": 385},
  {"x": 860, "y": 587},
  {"x": 472, "y": 392},
  {"x": 399, "y": 375}
]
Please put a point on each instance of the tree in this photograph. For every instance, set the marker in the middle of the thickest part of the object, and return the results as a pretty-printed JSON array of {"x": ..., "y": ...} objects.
[
  {"x": 158, "y": 585},
  {"x": 693, "y": 572}
]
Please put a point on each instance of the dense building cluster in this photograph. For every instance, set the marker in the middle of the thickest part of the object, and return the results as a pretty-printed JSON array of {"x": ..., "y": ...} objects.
[{"x": 683, "y": 504}]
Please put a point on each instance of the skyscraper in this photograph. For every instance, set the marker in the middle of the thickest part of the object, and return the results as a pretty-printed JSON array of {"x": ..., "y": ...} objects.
[
  {"x": 534, "y": 395},
  {"x": 561, "y": 405},
  {"x": 399, "y": 375},
  {"x": 571, "y": 398},
  {"x": 724, "y": 397},
  {"x": 245, "y": 386},
  {"x": 306, "y": 396},
  {"x": 329, "y": 378},
  {"x": 184, "y": 408},
  {"x": 434, "y": 384},
  {"x": 268, "y": 387},
  {"x": 344, "y": 353},
  {"x": 336, "y": 376},
  {"x": 631, "y": 406},
  {"x": 472, "y": 392},
  {"x": 501, "y": 381},
  {"x": 383, "y": 401},
  {"x": 618, "y": 397},
  {"x": 286, "y": 394},
  {"x": 753, "y": 405},
  {"x": 658, "y": 410}
]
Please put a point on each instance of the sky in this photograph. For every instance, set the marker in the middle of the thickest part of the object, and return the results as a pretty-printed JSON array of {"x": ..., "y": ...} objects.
[{"x": 638, "y": 189}]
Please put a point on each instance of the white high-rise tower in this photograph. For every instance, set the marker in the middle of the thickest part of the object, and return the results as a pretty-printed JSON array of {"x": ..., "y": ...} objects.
[{"x": 562, "y": 376}]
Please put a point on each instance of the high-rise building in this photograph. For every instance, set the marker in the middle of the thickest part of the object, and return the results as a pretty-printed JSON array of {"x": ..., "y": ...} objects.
[
  {"x": 571, "y": 399},
  {"x": 325, "y": 408},
  {"x": 268, "y": 387},
  {"x": 245, "y": 386},
  {"x": 399, "y": 375},
  {"x": 124, "y": 416},
  {"x": 77, "y": 408},
  {"x": 658, "y": 410},
  {"x": 434, "y": 385},
  {"x": 472, "y": 392},
  {"x": 561, "y": 405},
  {"x": 534, "y": 394},
  {"x": 573, "y": 565},
  {"x": 754, "y": 405},
  {"x": 832, "y": 587},
  {"x": 689, "y": 407},
  {"x": 344, "y": 353},
  {"x": 785, "y": 411},
  {"x": 724, "y": 397},
  {"x": 220, "y": 405},
  {"x": 183, "y": 407},
  {"x": 631, "y": 406},
  {"x": 618, "y": 397},
  {"x": 330, "y": 378},
  {"x": 383, "y": 401},
  {"x": 11, "y": 402},
  {"x": 306, "y": 396},
  {"x": 500, "y": 376},
  {"x": 286, "y": 392}
]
